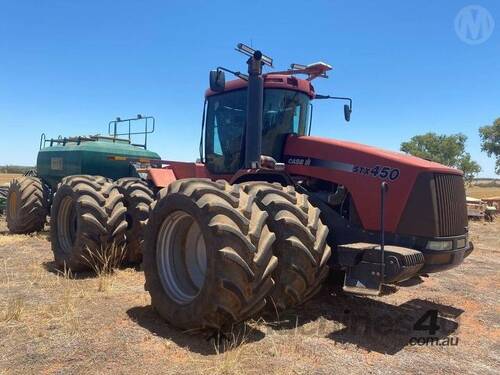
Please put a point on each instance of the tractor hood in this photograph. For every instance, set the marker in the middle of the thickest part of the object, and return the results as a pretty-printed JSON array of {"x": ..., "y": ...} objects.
[
  {"x": 350, "y": 154},
  {"x": 361, "y": 169}
]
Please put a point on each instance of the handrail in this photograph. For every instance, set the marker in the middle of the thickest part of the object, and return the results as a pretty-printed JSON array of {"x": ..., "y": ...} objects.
[
  {"x": 147, "y": 129},
  {"x": 42, "y": 140}
]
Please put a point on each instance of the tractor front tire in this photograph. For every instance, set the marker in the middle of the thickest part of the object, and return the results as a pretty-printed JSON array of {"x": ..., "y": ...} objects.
[
  {"x": 138, "y": 195},
  {"x": 300, "y": 245},
  {"x": 87, "y": 222},
  {"x": 208, "y": 255},
  {"x": 27, "y": 205}
]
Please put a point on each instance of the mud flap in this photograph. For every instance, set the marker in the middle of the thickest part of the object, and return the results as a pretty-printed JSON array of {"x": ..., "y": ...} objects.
[{"x": 364, "y": 278}]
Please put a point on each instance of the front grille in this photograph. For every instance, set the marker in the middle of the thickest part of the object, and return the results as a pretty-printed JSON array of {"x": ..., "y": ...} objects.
[
  {"x": 410, "y": 260},
  {"x": 451, "y": 205}
]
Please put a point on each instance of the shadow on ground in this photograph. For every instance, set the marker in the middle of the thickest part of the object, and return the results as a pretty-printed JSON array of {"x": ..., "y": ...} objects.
[
  {"x": 44, "y": 234},
  {"x": 203, "y": 343},
  {"x": 368, "y": 323}
]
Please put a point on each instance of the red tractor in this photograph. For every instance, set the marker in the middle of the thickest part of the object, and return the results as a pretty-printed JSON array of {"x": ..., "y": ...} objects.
[{"x": 268, "y": 210}]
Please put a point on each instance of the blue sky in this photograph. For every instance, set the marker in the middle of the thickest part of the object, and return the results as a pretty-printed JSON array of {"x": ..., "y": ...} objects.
[{"x": 68, "y": 67}]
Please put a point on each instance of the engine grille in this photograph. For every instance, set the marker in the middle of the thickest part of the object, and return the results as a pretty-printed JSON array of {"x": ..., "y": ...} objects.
[
  {"x": 451, "y": 205},
  {"x": 410, "y": 260}
]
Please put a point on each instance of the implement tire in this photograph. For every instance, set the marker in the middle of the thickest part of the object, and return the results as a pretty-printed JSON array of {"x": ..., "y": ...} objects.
[
  {"x": 27, "y": 205},
  {"x": 300, "y": 245},
  {"x": 208, "y": 255},
  {"x": 138, "y": 196},
  {"x": 87, "y": 222}
]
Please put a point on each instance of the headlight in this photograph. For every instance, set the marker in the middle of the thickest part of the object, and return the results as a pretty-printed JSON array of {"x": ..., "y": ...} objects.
[
  {"x": 439, "y": 245},
  {"x": 461, "y": 243}
]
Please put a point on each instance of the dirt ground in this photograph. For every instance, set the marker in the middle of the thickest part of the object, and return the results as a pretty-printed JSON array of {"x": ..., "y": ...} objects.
[{"x": 51, "y": 322}]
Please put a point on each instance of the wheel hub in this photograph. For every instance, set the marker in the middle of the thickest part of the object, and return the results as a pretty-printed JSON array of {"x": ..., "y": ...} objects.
[
  {"x": 67, "y": 224},
  {"x": 181, "y": 257}
]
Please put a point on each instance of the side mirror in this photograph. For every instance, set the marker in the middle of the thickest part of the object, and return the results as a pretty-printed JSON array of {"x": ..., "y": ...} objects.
[
  {"x": 347, "y": 112},
  {"x": 217, "y": 80}
]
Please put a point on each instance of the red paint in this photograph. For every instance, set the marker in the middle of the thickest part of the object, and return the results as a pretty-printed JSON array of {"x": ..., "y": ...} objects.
[
  {"x": 271, "y": 81},
  {"x": 161, "y": 177},
  {"x": 364, "y": 189},
  {"x": 176, "y": 170}
]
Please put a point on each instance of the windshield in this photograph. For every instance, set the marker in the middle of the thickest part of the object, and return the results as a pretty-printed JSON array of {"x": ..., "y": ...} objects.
[{"x": 285, "y": 112}]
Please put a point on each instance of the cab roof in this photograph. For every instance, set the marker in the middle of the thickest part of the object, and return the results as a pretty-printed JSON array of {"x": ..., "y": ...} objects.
[{"x": 274, "y": 81}]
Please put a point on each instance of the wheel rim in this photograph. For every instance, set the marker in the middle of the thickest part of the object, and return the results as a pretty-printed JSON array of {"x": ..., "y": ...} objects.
[
  {"x": 13, "y": 204},
  {"x": 67, "y": 224},
  {"x": 181, "y": 257}
]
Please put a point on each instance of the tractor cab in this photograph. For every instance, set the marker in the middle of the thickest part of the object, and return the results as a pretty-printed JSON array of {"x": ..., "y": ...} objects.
[
  {"x": 254, "y": 114},
  {"x": 286, "y": 110}
]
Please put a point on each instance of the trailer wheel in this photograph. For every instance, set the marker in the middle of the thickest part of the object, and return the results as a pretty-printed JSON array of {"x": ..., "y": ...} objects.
[
  {"x": 138, "y": 195},
  {"x": 27, "y": 205},
  {"x": 300, "y": 245},
  {"x": 87, "y": 222},
  {"x": 208, "y": 255}
]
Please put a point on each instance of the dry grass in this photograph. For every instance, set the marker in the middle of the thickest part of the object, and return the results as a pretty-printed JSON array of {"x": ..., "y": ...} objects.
[
  {"x": 104, "y": 263},
  {"x": 58, "y": 322},
  {"x": 5, "y": 178},
  {"x": 13, "y": 310},
  {"x": 483, "y": 192}
]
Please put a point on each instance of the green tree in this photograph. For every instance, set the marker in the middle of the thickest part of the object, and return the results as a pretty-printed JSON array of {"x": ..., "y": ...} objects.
[
  {"x": 490, "y": 141},
  {"x": 444, "y": 149}
]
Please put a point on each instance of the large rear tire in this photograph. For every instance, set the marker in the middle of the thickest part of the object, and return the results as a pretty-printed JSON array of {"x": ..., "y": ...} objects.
[
  {"x": 27, "y": 205},
  {"x": 87, "y": 222},
  {"x": 208, "y": 255},
  {"x": 300, "y": 245},
  {"x": 138, "y": 196}
]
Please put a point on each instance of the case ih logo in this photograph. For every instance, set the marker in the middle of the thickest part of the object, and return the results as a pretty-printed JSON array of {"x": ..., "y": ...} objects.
[
  {"x": 474, "y": 24},
  {"x": 299, "y": 161}
]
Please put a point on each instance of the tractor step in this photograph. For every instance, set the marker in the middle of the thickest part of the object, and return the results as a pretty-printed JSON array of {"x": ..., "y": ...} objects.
[
  {"x": 363, "y": 264},
  {"x": 363, "y": 279}
]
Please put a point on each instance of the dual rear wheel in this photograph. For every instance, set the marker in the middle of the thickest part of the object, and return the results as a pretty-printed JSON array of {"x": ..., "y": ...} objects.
[
  {"x": 208, "y": 257},
  {"x": 94, "y": 219},
  {"x": 87, "y": 223},
  {"x": 216, "y": 254}
]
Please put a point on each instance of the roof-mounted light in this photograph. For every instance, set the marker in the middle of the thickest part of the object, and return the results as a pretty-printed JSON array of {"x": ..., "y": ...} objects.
[
  {"x": 249, "y": 51},
  {"x": 313, "y": 71}
]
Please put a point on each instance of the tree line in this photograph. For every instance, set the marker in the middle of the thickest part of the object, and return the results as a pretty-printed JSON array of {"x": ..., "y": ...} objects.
[{"x": 450, "y": 149}]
